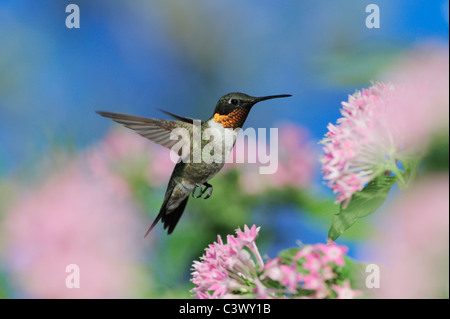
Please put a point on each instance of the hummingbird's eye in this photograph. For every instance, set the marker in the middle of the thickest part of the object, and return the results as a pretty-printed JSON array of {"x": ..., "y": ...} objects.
[{"x": 234, "y": 101}]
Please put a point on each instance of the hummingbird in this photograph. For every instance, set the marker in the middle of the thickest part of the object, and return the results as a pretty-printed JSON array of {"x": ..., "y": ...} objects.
[{"x": 229, "y": 116}]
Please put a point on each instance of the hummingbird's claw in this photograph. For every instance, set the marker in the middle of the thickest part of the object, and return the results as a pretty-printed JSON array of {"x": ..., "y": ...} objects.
[
  {"x": 208, "y": 187},
  {"x": 195, "y": 189},
  {"x": 210, "y": 190}
]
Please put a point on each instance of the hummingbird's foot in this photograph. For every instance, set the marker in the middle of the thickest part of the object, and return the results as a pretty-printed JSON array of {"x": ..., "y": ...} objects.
[
  {"x": 202, "y": 190},
  {"x": 210, "y": 190},
  {"x": 195, "y": 189}
]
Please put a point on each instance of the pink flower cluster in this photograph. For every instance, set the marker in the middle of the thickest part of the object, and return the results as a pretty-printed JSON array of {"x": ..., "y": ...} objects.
[
  {"x": 127, "y": 154},
  {"x": 417, "y": 221},
  {"x": 236, "y": 270},
  {"x": 382, "y": 125},
  {"x": 357, "y": 148},
  {"x": 226, "y": 268},
  {"x": 422, "y": 107},
  {"x": 80, "y": 216}
]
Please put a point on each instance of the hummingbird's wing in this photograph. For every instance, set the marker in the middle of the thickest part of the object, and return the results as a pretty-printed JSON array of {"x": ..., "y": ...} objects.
[
  {"x": 181, "y": 118},
  {"x": 159, "y": 131}
]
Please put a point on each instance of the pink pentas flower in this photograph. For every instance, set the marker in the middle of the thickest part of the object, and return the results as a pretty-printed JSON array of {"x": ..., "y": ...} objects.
[
  {"x": 236, "y": 269},
  {"x": 388, "y": 124},
  {"x": 304, "y": 252},
  {"x": 220, "y": 284},
  {"x": 226, "y": 267},
  {"x": 313, "y": 263},
  {"x": 291, "y": 277},
  {"x": 327, "y": 272},
  {"x": 322, "y": 291},
  {"x": 346, "y": 291},
  {"x": 204, "y": 295},
  {"x": 333, "y": 253},
  {"x": 313, "y": 281},
  {"x": 261, "y": 291},
  {"x": 272, "y": 270},
  {"x": 359, "y": 147},
  {"x": 249, "y": 235}
]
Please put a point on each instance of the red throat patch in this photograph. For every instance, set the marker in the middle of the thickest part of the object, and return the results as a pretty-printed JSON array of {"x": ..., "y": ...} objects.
[{"x": 233, "y": 120}]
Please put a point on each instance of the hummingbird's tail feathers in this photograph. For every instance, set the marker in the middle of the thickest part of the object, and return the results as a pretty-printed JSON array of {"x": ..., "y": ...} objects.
[
  {"x": 154, "y": 223},
  {"x": 159, "y": 131},
  {"x": 171, "y": 219},
  {"x": 162, "y": 212}
]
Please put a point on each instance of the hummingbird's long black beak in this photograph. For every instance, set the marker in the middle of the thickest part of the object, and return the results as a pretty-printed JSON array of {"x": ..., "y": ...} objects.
[{"x": 263, "y": 98}]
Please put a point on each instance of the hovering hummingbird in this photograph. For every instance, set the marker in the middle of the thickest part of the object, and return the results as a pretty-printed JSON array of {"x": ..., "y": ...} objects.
[{"x": 230, "y": 114}]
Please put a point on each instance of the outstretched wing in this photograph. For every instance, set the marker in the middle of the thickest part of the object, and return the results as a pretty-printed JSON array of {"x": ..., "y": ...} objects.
[{"x": 158, "y": 131}]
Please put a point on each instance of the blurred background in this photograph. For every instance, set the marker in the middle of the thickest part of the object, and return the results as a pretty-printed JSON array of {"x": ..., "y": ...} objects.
[{"x": 77, "y": 189}]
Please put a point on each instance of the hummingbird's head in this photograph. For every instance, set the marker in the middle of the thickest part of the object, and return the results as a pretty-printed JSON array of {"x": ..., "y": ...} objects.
[{"x": 232, "y": 109}]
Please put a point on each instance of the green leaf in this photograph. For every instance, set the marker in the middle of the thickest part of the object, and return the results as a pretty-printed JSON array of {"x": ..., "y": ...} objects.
[
  {"x": 354, "y": 271},
  {"x": 287, "y": 255},
  {"x": 362, "y": 204},
  {"x": 437, "y": 158}
]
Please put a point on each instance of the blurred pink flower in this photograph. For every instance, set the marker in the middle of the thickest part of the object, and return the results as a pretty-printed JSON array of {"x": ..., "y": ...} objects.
[
  {"x": 272, "y": 270},
  {"x": 413, "y": 248},
  {"x": 297, "y": 160},
  {"x": 423, "y": 109},
  {"x": 121, "y": 143},
  {"x": 79, "y": 215},
  {"x": 123, "y": 151},
  {"x": 290, "y": 277},
  {"x": 345, "y": 291},
  {"x": 333, "y": 253},
  {"x": 313, "y": 263},
  {"x": 236, "y": 270}
]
